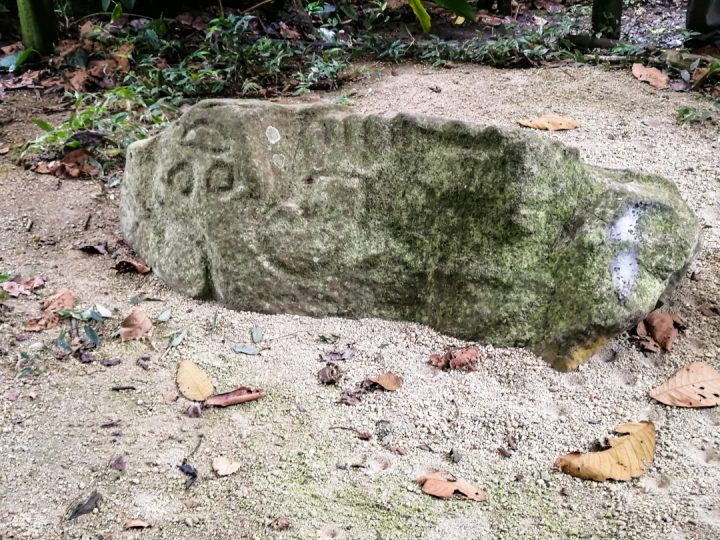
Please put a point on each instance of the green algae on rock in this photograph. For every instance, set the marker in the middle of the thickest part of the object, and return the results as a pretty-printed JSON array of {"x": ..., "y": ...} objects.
[{"x": 481, "y": 233}]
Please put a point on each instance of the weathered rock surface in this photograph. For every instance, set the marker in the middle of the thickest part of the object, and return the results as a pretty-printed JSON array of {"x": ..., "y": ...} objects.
[{"x": 481, "y": 233}]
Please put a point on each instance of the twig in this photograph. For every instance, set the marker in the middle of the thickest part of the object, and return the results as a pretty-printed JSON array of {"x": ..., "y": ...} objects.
[
  {"x": 101, "y": 13},
  {"x": 253, "y": 8},
  {"x": 197, "y": 446}
]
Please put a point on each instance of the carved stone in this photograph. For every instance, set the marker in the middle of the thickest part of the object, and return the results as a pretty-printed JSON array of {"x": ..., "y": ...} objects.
[{"x": 481, "y": 233}]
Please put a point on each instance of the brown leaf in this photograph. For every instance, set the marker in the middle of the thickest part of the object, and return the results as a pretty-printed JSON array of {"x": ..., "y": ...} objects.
[
  {"x": 224, "y": 467},
  {"x": 699, "y": 77},
  {"x": 330, "y": 374},
  {"x": 388, "y": 381},
  {"x": 280, "y": 524},
  {"x": 78, "y": 80},
  {"x": 15, "y": 288},
  {"x": 136, "y": 523},
  {"x": 653, "y": 76},
  {"x": 63, "y": 299},
  {"x": 193, "y": 382},
  {"x": 77, "y": 162},
  {"x": 132, "y": 265},
  {"x": 122, "y": 56},
  {"x": 239, "y": 395},
  {"x": 102, "y": 68},
  {"x": 661, "y": 327},
  {"x": 440, "y": 484},
  {"x": 550, "y": 122},
  {"x": 135, "y": 325},
  {"x": 456, "y": 359},
  {"x": 628, "y": 457},
  {"x": 491, "y": 21},
  {"x": 695, "y": 385},
  {"x": 710, "y": 310}
]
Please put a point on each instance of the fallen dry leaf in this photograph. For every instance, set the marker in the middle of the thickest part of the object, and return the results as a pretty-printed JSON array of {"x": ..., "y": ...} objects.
[
  {"x": 628, "y": 457},
  {"x": 224, "y": 467},
  {"x": 132, "y": 265},
  {"x": 550, "y": 122},
  {"x": 135, "y": 325},
  {"x": 330, "y": 374},
  {"x": 388, "y": 381},
  {"x": 280, "y": 524},
  {"x": 239, "y": 395},
  {"x": 63, "y": 299},
  {"x": 439, "y": 484},
  {"x": 710, "y": 309},
  {"x": 15, "y": 288},
  {"x": 653, "y": 76},
  {"x": 694, "y": 385},
  {"x": 456, "y": 359},
  {"x": 122, "y": 56},
  {"x": 662, "y": 326},
  {"x": 193, "y": 382},
  {"x": 77, "y": 81},
  {"x": 136, "y": 523}
]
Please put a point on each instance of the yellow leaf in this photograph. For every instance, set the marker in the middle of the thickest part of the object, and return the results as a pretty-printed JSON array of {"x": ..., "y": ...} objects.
[
  {"x": 389, "y": 381},
  {"x": 459, "y": 20},
  {"x": 628, "y": 457},
  {"x": 193, "y": 382},
  {"x": 550, "y": 122},
  {"x": 695, "y": 385},
  {"x": 653, "y": 76}
]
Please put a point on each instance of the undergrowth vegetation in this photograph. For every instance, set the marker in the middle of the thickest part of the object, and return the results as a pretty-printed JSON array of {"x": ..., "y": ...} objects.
[{"x": 161, "y": 66}]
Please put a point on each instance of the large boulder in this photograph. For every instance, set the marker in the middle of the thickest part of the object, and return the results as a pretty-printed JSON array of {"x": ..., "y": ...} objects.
[{"x": 481, "y": 233}]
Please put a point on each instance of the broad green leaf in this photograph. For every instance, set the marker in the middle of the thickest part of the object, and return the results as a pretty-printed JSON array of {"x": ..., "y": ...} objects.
[
  {"x": 42, "y": 124},
  {"x": 459, "y": 7},
  {"x": 92, "y": 335},
  {"x": 421, "y": 14},
  {"x": 116, "y": 13}
]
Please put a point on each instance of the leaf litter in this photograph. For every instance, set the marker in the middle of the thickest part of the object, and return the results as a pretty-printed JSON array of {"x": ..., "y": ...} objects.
[
  {"x": 135, "y": 325},
  {"x": 454, "y": 358},
  {"x": 626, "y": 457},
  {"x": 64, "y": 298},
  {"x": 444, "y": 485},
  {"x": 224, "y": 466},
  {"x": 192, "y": 382},
  {"x": 659, "y": 330},
  {"x": 694, "y": 385}
]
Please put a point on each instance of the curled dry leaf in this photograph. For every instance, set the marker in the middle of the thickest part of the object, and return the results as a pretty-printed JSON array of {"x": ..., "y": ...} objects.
[
  {"x": 224, "y": 467},
  {"x": 661, "y": 327},
  {"x": 330, "y": 374},
  {"x": 280, "y": 524},
  {"x": 132, "y": 265},
  {"x": 439, "y": 484},
  {"x": 136, "y": 523},
  {"x": 388, "y": 381},
  {"x": 653, "y": 76},
  {"x": 193, "y": 383},
  {"x": 456, "y": 359},
  {"x": 62, "y": 299},
  {"x": 628, "y": 457},
  {"x": 550, "y": 122},
  {"x": 695, "y": 385},
  {"x": 239, "y": 395},
  {"x": 710, "y": 309},
  {"x": 135, "y": 325}
]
